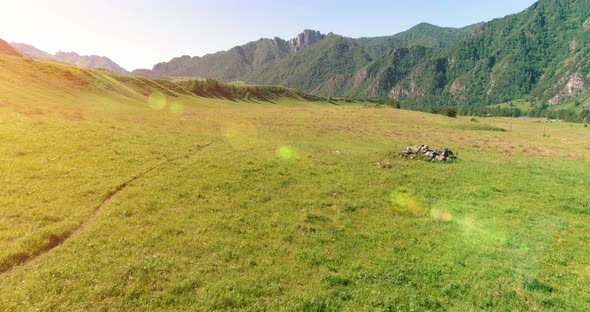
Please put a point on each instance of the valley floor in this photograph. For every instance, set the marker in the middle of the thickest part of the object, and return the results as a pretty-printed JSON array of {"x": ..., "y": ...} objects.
[{"x": 245, "y": 206}]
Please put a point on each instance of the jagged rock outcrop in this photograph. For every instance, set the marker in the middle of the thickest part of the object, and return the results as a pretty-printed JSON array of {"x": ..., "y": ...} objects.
[
  {"x": 399, "y": 92},
  {"x": 574, "y": 87},
  {"x": 457, "y": 87},
  {"x": 306, "y": 38},
  {"x": 573, "y": 45}
]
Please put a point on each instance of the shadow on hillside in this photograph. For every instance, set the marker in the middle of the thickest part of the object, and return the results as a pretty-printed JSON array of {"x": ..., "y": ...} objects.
[{"x": 255, "y": 94}]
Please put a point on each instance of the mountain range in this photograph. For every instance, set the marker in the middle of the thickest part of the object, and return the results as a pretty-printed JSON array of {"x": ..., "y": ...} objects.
[
  {"x": 89, "y": 61},
  {"x": 539, "y": 56},
  {"x": 306, "y": 62}
]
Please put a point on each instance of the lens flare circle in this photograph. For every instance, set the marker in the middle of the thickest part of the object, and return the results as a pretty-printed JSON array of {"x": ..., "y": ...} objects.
[
  {"x": 441, "y": 215},
  {"x": 240, "y": 136},
  {"x": 286, "y": 152},
  {"x": 157, "y": 101},
  {"x": 404, "y": 200}
]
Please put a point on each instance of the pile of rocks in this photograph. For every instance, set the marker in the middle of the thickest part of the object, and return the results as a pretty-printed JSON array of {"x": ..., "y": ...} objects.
[{"x": 427, "y": 153}]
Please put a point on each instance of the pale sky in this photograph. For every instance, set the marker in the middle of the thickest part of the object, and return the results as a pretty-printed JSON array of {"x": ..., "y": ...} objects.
[{"x": 139, "y": 34}]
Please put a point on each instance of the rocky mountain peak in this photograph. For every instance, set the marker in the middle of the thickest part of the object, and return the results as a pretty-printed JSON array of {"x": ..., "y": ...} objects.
[
  {"x": 67, "y": 53},
  {"x": 306, "y": 38}
]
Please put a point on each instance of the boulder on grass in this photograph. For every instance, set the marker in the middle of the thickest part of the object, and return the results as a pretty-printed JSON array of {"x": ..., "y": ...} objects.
[{"x": 427, "y": 153}]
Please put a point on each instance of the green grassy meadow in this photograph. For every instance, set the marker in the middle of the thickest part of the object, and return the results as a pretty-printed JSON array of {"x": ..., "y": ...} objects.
[{"x": 125, "y": 194}]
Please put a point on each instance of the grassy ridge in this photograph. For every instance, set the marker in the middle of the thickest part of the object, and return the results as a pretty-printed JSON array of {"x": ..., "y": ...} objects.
[
  {"x": 279, "y": 206},
  {"x": 213, "y": 89}
]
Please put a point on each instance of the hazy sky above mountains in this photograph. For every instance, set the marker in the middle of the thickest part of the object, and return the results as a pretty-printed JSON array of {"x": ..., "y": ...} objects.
[{"x": 140, "y": 33}]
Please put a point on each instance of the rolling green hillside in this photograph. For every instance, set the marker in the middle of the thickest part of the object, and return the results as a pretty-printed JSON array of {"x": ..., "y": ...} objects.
[
  {"x": 375, "y": 79},
  {"x": 540, "y": 53},
  {"x": 423, "y": 34},
  {"x": 305, "y": 70},
  {"x": 28, "y": 82}
]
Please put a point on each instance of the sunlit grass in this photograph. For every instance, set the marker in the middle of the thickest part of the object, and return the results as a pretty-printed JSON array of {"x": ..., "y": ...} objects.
[{"x": 279, "y": 206}]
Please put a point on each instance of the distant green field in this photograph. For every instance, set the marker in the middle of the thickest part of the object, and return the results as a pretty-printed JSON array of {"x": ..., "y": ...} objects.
[
  {"x": 125, "y": 194},
  {"x": 523, "y": 105}
]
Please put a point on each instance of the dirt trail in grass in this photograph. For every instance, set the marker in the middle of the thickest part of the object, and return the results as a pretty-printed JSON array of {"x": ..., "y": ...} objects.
[{"x": 55, "y": 240}]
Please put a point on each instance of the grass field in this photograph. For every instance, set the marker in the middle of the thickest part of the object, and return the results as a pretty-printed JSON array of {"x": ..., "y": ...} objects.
[
  {"x": 522, "y": 104},
  {"x": 121, "y": 194}
]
